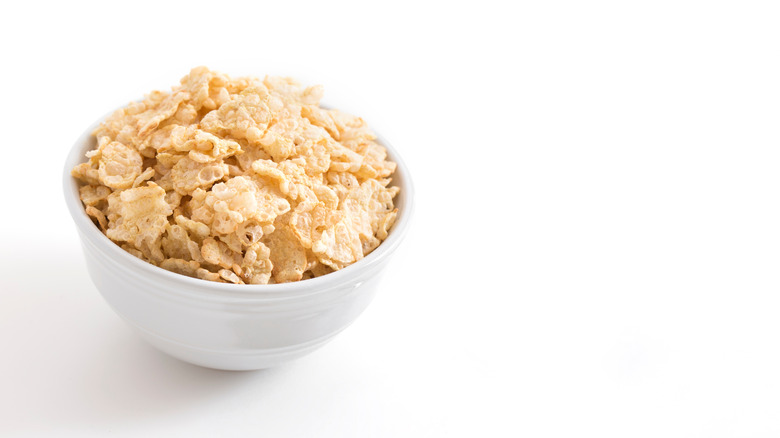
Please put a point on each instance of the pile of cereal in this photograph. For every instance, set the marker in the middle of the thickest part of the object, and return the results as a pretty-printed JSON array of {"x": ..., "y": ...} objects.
[{"x": 239, "y": 180}]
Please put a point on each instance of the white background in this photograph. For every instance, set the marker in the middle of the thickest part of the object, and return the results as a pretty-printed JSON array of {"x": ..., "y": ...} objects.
[{"x": 594, "y": 253}]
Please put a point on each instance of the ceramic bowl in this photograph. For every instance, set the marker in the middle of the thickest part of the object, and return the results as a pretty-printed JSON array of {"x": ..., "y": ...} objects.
[{"x": 231, "y": 326}]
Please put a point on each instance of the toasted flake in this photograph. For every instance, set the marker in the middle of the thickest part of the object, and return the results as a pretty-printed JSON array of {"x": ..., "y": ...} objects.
[
  {"x": 184, "y": 267},
  {"x": 138, "y": 215},
  {"x": 94, "y": 195},
  {"x": 187, "y": 175},
  {"x": 339, "y": 246},
  {"x": 287, "y": 255},
  {"x": 119, "y": 165},
  {"x": 98, "y": 216},
  {"x": 230, "y": 276}
]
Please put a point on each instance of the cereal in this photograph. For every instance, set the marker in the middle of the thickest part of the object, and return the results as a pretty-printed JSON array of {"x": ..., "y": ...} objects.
[
  {"x": 119, "y": 165},
  {"x": 287, "y": 255},
  {"x": 242, "y": 180}
]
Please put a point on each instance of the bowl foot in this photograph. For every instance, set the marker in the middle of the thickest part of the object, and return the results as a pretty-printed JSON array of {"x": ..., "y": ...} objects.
[{"x": 245, "y": 360}]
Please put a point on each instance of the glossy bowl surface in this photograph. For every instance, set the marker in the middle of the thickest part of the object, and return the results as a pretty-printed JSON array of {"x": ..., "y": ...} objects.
[{"x": 230, "y": 326}]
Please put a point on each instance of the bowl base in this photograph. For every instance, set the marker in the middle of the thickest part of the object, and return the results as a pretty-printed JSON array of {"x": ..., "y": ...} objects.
[{"x": 230, "y": 361}]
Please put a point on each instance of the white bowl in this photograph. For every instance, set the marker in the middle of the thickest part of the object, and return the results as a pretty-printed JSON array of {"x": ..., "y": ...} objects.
[{"x": 231, "y": 326}]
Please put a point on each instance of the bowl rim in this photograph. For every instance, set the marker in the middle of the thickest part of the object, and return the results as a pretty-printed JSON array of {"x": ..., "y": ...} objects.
[{"x": 244, "y": 292}]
